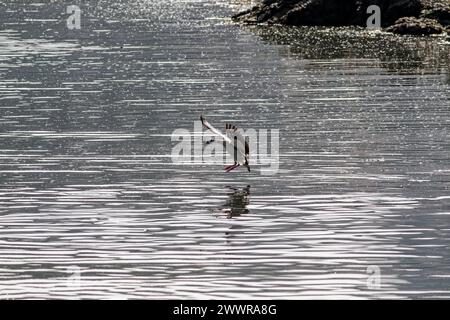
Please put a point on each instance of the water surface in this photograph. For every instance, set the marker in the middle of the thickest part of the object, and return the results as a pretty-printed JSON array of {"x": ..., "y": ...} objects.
[{"x": 87, "y": 185}]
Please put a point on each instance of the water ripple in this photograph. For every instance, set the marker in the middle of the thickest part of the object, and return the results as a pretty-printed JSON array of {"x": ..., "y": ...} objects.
[{"x": 87, "y": 186}]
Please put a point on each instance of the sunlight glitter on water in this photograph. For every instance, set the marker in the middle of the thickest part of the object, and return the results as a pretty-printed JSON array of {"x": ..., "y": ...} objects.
[{"x": 87, "y": 180}]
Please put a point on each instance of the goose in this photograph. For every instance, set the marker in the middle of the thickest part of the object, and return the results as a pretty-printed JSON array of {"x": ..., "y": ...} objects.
[{"x": 233, "y": 141}]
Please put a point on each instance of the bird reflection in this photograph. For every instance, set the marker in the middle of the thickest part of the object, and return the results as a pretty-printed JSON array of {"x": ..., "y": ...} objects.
[{"x": 237, "y": 202}]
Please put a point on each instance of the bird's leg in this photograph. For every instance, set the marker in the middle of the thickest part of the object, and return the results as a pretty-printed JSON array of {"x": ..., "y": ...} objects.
[
  {"x": 229, "y": 167},
  {"x": 234, "y": 166}
]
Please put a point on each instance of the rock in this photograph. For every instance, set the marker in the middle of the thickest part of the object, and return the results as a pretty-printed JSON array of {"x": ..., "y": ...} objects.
[
  {"x": 247, "y": 13},
  {"x": 320, "y": 12},
  {"x": 352, "y": 12},
  {"x": 430, "y": 4},
  {"x": 416, "y": 26},
  {"x": 401, "y": 8},
  {"x": 391, "y": 10},
  {"x": 439, "y": 12},
  {"x": 268, "y": 11},
  {"x": 328, "y": 12},
  {"x": 294, "y": 12}
]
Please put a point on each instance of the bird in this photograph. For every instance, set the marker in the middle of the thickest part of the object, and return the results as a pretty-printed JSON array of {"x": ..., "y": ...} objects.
[{"x": 234, "y": 142}]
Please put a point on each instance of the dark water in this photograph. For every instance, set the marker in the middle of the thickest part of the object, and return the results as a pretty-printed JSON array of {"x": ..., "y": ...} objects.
[{"x": 91, "y": 205}]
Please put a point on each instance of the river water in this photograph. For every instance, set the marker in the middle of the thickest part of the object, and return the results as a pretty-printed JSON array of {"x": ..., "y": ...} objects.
[{"x": 92, "y": 206}]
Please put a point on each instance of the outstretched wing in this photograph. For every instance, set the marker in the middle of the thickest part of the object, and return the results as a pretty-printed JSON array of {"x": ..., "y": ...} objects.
[
  {"x": 239, "y": 146},
  {"x": 207, "y": 125}
]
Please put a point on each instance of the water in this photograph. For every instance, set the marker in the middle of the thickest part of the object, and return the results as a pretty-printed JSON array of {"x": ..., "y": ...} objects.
[{"x": 91, "y": 205}]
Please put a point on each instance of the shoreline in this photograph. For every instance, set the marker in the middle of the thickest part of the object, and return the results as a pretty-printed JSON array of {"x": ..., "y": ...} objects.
[{"x": 413, "y": 17}]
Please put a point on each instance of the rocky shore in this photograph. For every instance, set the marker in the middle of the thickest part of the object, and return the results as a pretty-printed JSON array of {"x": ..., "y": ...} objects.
[{"x": 419, "y": 17}]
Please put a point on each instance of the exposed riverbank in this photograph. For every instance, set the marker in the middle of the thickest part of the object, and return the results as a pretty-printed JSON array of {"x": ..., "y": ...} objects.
[{"x": 417, "y": 17}]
